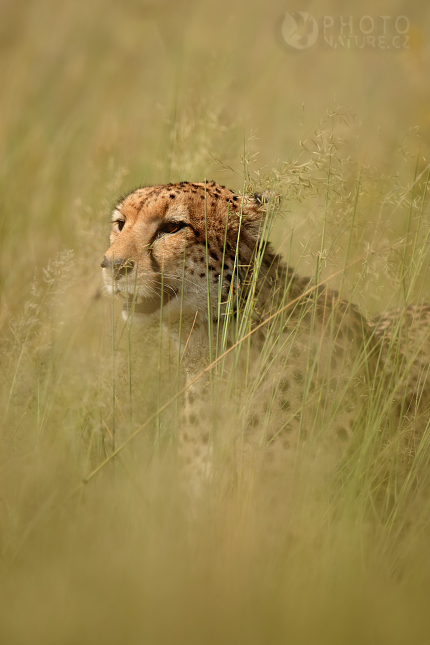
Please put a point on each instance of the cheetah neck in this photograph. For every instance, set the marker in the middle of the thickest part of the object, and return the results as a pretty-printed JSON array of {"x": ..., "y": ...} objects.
[{"x": 253, "y": 299}]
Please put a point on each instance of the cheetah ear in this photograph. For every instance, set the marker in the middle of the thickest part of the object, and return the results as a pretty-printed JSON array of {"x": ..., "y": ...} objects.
[
  {"x": 254, "y": 210},
  {"x": 269, "y": 196}
]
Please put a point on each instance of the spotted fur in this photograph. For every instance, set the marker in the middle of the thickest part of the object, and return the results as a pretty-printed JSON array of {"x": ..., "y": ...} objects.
[
  {"x": 309, "y": 367},
  {"x": 404, "y": 339}
]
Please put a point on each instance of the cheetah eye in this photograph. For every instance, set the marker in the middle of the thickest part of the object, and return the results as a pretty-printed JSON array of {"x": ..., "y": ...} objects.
[
  {"x": 120, "y": 223},
  {"x": 171, "y": 227}
]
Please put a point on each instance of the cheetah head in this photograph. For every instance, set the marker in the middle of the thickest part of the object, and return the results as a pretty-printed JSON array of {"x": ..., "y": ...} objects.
[{"x": 172, "y": 245}]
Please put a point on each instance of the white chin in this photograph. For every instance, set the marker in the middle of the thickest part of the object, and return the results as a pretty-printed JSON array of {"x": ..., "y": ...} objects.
[{"x": 110, "y": 290}]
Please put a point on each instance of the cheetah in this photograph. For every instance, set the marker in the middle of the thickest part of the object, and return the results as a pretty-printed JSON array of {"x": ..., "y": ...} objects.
[
  {"x": 300, "y": 359},
  {"x": 403, "y": 336}
]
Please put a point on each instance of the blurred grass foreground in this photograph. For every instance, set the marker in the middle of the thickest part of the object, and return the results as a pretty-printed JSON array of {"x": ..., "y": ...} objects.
[{"x": 98, "y": 98}]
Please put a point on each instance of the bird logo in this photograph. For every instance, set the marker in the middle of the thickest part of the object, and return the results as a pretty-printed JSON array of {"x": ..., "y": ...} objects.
[{"x": 299, "y": 30}]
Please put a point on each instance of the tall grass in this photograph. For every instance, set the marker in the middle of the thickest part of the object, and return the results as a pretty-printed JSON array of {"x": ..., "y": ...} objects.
[{"x": 95, "y": 548}]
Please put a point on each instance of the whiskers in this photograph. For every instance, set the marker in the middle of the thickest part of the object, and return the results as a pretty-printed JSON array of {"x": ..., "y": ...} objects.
[{"x": 135, "y": 289}]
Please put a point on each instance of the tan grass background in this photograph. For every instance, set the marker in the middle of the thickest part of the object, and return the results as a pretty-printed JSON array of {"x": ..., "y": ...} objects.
[{"x": 96, "y": 98}]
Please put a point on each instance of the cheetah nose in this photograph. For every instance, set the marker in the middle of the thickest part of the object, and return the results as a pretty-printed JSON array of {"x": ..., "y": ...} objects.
[{"x": 120, "y": 267}]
